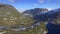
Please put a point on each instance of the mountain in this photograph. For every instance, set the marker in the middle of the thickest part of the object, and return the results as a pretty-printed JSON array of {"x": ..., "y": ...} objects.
[
  {"x": 9, "y": 16},
  {"x": 43, "y": 14},
  {"x": 35, "y": 11}
]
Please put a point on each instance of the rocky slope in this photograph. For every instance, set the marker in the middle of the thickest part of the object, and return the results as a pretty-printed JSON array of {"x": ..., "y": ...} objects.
[{"x": 9, "y": 16}]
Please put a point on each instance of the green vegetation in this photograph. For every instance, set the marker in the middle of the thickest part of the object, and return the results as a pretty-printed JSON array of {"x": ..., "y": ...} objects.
[
  {"x": 35, "y": 30},
  {"x": 10, "y": 17}
]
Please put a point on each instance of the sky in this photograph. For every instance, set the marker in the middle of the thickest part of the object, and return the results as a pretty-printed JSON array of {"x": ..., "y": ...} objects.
[{"x": 22, "y": 5}]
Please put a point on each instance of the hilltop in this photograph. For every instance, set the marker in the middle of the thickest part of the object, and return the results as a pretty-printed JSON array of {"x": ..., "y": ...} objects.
[{"x": 9, "y": 16}]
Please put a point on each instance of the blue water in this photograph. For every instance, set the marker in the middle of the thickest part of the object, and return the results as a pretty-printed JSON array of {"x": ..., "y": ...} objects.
[{"x": 53, "y": 28}]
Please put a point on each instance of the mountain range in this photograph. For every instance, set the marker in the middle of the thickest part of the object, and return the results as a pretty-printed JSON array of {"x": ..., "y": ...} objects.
[{"x": 10, "y": 17}]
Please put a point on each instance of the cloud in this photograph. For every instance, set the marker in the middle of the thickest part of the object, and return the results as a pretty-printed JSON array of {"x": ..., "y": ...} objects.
[
  {"x": 41, "y": 1},
  {"x": 35, "y": 4},
  {"x": 50, "y": 9},
  {"x": 13, "y": 1},
  {"x": 21, "y": 10}
]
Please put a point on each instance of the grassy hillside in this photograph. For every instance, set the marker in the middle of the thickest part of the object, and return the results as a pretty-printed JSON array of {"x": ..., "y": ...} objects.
[{"x": 9, "y": 16}]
